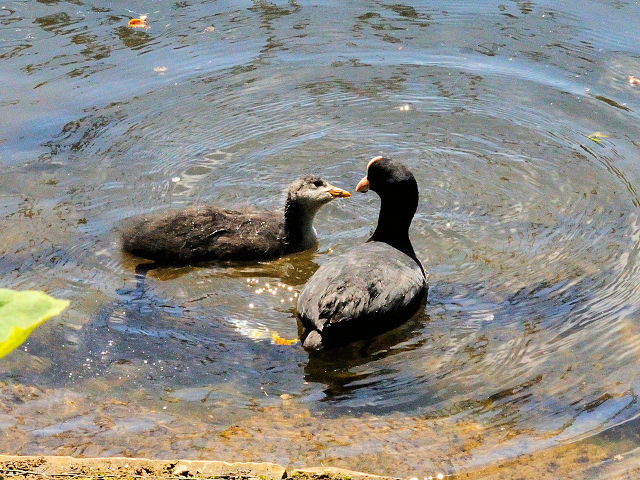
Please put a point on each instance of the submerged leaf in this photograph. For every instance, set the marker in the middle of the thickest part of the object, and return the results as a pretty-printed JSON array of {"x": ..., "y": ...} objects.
[
  {"x": 278, "y": 340},
  {"x": 21, "y": 313}
]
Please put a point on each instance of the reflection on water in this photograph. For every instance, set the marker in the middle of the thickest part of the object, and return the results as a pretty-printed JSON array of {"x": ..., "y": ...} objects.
[{"x": 527, "y": 222}]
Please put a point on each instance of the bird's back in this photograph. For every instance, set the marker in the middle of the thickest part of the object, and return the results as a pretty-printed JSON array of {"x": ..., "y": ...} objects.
[
  {"x": 205, "y": 233},
  {"x": 360, "y": 293}
]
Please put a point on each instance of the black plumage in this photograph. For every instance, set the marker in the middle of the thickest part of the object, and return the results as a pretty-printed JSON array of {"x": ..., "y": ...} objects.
[
  {"x": 208, "y": 233},
  {"x": 374, "y": 287}
]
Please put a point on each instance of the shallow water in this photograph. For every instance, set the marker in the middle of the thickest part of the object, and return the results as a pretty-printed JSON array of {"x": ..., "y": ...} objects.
[{"x": 528, "y": 224}]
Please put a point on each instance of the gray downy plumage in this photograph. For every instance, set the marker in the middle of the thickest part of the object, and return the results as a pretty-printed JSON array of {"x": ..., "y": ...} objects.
[{"x": 209, "y": 233}]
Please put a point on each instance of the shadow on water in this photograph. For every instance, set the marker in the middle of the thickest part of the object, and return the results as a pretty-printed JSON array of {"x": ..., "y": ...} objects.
[
  {"x": 292, "y": 270},
  {"x": 133, "y": 39}
]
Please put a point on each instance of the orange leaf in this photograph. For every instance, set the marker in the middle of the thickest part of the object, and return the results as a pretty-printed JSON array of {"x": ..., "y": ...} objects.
[
  {"x": 278, "y": 340},
  {"x": 138, "y": 23}
]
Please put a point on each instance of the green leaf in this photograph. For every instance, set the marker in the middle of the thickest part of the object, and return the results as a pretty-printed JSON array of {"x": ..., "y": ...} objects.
[{"x": 21, "y": 313}]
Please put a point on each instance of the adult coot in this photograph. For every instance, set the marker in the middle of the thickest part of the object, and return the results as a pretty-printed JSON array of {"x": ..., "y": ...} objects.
[
  {"x": 373, "y": 287},
  {"x": 206, "y": 233}
]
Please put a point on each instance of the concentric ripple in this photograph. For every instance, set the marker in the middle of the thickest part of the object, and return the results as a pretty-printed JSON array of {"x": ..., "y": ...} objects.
[{"x": 520, "y": 126}]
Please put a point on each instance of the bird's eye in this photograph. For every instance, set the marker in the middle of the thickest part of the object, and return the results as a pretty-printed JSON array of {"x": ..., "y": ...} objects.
[{"x": 318, "y": 183}]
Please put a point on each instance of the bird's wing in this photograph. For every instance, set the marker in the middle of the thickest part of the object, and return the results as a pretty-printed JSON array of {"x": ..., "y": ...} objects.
[{"x": 373, "y": 281}]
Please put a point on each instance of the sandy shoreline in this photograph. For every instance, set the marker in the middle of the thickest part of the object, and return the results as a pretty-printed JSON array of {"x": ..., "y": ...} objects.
[
  {"x": 561, "y": 462},
  {"x": 39, "y": 467}
]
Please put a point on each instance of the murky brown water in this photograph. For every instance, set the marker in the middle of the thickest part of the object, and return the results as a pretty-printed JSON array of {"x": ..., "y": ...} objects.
[{"x": 528, "y": 226}]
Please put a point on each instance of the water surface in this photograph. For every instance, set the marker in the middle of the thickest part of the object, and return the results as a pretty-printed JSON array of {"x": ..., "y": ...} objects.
[{"x": 528, "y": 224}]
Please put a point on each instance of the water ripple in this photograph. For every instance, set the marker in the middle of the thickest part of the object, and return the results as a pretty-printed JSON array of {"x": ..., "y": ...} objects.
[{"x": 521, "y": 134}]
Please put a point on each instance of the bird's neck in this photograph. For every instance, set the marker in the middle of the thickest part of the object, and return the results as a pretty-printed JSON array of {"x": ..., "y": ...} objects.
[
  {"x": 298, "y": 226},
  {"x": 393, "y": 226}
]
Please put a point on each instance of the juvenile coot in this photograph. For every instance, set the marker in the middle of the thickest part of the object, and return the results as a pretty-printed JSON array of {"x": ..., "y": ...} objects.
[
  {"x": 206, "y": 233},
  {"x": 373, "y": 287}
]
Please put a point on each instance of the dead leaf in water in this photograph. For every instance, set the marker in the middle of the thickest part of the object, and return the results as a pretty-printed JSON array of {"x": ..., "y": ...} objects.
[{"x": 139, "y": 22}]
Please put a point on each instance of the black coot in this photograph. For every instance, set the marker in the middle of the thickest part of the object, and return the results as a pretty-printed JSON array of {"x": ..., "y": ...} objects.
[
  {"x": 373, "y": 287},
  {"x": 207, "y": 233}
]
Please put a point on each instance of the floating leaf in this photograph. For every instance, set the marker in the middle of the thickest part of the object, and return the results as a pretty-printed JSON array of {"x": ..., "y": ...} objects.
[
  {"x": 596, "y": 136},
  {"x": 634, "y": 80},
  {"x": 139, "y": 22},
  {"x": 278, "y": 340},
  {"x": 21, "y": 313}
]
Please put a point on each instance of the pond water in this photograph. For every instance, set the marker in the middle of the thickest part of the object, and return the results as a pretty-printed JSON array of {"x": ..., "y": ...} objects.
[{"x": 521, "y": 126}]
